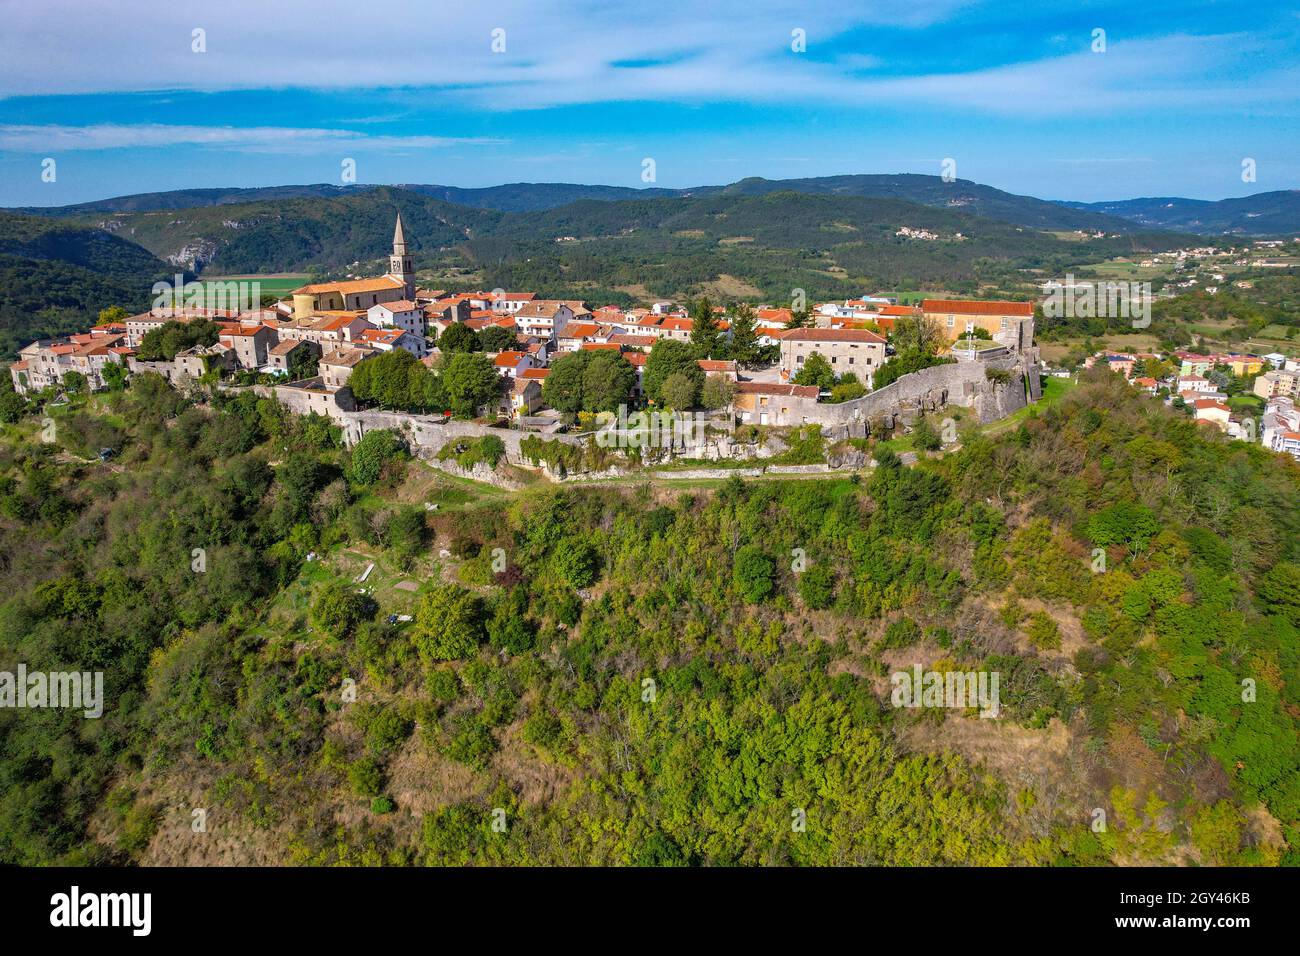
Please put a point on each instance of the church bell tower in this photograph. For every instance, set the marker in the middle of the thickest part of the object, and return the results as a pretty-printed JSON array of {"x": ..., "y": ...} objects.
[{"x": 399, "y": 263}]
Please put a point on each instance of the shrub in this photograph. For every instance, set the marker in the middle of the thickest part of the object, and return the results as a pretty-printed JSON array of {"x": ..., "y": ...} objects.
[
  {"x": 365, "y": 777},
  {"x": 817, "y": 586},
  {"x": 753, "y": 573}
]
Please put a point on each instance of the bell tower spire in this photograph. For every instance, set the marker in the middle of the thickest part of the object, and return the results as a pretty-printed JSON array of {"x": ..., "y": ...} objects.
[{"x": 399, "y": 263}]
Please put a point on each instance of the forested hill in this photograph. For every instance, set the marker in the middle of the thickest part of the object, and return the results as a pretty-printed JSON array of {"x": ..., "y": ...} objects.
[
  {"x": 187, "y": 199},
  {"x": 751, "y": 245},
  {"x": 962, "y": 194},
  {"x": 1267, "y": 213},
  {"x": 958, "y": 194},
  {"x": 649, "y": 680},
  {"x": 56, "y": 276}
]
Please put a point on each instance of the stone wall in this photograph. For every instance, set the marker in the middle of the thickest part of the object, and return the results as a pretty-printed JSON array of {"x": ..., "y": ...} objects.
[{"x": 963, "y": 384}]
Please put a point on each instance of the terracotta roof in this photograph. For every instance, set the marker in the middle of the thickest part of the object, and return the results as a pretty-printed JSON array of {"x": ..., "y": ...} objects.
[
  {"x": 19, "y": 366},
  {"x": 401, "y": 305},
  {"x": 351, "y": 286},
  {"x": 345, "y": 357},
  {"x": 508, "y": 359},
  {"x": 973, "y": 307},
  {"x": 243, "y": 330},
  {"x": 775, "y": 388},
  {"x": 579, "y": 330},
  {"x": 535, "y": 373},
  {"x": 677, "y": 325},
  {"x": 636, "y": 358},
  {"x": 715, "y": 365},
  {"x": 832, "y": 335},
  {"x": 635, "y": 341},
  {"x": 600, "y": 347},
  {"x": 388, "y": 336},
  {"x": 540, "y": 309}
]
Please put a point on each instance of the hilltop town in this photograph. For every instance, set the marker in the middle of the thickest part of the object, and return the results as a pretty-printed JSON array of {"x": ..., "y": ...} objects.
[{"x": 767, "y": 366}]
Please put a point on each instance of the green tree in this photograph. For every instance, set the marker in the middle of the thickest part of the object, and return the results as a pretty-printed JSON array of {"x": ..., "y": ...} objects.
[
  {"x": 114, "y": 375},
  {"x": 458, "y": 337},
  {"x": 469, "y": 381},
  {"x": 562, "y": 388},
  {"x": 12, "y": 406},
  {"x": 753, "y": 573},
  {"x": 494, "y": 338},
  {"x": 847, "y": 389},
  {"x": 917, "y": 333},
  {"x": 338, "y": 609},
  {"x": 448, "y": 624},
  {"x": 680, "y": 391},
  {"x": 815, "y": 371},
  {"x": 743, "y": 347},
  {"x": 718, "y": 391},
  {"x": 817, "y": 586},
  {"x": 576, "y": 562},
  {"x": 74, "y": 383},
  {"x": 666, "y": 358},
  {"x": 607, "y": 382},
  {"x": 114, "y": 313},
  {"x": 366, "y": 777},
  {"x": 706, "y": 336},
  {"x": 369, "y": 456}
]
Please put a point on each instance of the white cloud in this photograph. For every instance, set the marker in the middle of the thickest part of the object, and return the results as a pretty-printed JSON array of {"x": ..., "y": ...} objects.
[
  {"x": 81, "y": 46},
  {"x": 59, "y": 139},
  {"x": 564, "y": 52}
]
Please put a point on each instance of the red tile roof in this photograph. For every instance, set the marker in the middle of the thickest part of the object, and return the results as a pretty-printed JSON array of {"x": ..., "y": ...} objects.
[
  {"x": 832, "y": 335},
  {"x": 973, "y": 307},
  {"x": 774, "y": 388}
]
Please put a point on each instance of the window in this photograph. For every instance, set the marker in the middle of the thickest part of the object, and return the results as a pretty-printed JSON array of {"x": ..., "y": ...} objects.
[{"x": 951, "y": 320}]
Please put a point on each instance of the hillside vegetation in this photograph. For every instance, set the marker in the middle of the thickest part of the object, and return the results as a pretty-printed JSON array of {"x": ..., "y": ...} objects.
[
  {"x": 637, "y": 673},
  {"x": 55, "y": 277}
]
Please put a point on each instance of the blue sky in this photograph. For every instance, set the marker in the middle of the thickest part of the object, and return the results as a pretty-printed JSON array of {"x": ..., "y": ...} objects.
[{"x": 414, "y": 92}]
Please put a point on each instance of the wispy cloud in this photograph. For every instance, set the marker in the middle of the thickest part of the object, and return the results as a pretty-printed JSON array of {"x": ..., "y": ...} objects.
[{"x": 32, "y": 139}]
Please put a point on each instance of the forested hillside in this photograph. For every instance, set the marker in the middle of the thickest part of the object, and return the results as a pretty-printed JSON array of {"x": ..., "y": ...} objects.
[
  {"x": 635, "y": 672},
  {"x": 55, "y": 277},
  {"x": 752, "y": 246}
]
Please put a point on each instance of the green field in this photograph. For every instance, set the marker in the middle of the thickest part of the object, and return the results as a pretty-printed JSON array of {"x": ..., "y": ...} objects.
[{"x": 279, "y": 285}]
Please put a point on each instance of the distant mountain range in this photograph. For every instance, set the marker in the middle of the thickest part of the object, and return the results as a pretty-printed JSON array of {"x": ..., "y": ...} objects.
[
  {"x": 1264, "y": 214},
  {"x": 1272, "y": 213}
]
